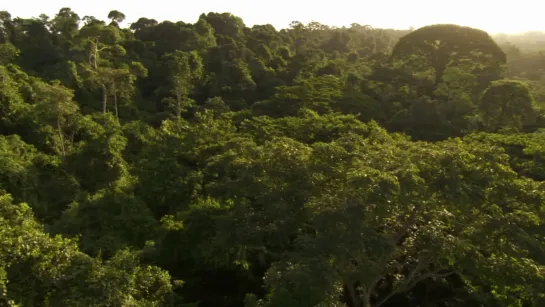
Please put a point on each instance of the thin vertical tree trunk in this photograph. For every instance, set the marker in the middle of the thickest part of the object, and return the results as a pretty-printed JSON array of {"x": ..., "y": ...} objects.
[
  {"x": 178, "y": 104},
  {"x": 366, "y": 298},
  {"x": 356, "y": 302},
  {"x": 115, "y": 106},
  {"x": 104, "y": 98},
  {"x": 61, "y": 138},
  {"x": 93, "y": 61}
]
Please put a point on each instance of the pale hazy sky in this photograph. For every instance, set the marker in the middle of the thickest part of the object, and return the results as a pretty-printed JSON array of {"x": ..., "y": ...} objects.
[{"x": 492, "y": 16}]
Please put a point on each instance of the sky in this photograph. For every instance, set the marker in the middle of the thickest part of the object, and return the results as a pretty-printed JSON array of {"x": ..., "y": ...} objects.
[{"x": 498, "y": 16}]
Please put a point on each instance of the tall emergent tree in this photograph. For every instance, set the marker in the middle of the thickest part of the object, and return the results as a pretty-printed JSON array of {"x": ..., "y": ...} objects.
[{"x": 447, "y": 44}]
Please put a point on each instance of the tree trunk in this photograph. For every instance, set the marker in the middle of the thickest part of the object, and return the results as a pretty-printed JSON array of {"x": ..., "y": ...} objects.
[
  {"x": 440, "y": 62},
  {"x": 61, "y": 138},
  {"x": 366, "y": 298},
  {"x": 93, "y": 61},
  {"x": 93, "y": 56},
  {"x": 115, "y": 107},
  {"x": 178, "y": 104},
  {"x": 104, "y": 98},
  {"x": 72, "y": 135},
  {"x": 356, "y": 302}
]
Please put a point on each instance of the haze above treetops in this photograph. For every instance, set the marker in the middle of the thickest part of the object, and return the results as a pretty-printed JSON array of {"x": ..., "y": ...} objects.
[{"x": 521, "y": 17}]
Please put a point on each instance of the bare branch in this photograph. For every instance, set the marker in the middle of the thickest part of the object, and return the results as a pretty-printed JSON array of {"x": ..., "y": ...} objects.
[
  {"x": 434, "y": 274},
  {"x": 411, "y": 280}
]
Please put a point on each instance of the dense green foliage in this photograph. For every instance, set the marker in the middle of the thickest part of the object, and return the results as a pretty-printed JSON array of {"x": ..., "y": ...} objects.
[{"x": 217, "y": 165}]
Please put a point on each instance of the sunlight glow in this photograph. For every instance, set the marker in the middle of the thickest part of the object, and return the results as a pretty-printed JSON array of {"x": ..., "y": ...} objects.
[{"x": 492, "y": 16}]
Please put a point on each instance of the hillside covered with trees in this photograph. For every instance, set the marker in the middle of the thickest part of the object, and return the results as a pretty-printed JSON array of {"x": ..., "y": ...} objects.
[{"x": 218, "y": 165}]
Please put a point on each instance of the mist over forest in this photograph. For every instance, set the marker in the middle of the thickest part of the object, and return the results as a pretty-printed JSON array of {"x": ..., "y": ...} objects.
[{"x": 213, "y": 164}]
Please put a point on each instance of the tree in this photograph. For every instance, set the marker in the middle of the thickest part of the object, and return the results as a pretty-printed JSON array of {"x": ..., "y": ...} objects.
[
  {"x": 101, "y": 42},
  {"x": 18, "y": 172},
  {"x": 184, "y": 69},
  {"x": 225, "y": 24},
  {"x": 507, "y": 104},
  {"x": 455, "y": 100},
  {"x": 98, "y": 161},
  {"x": 316, "y": 93},
  {"x": 376, "y": 230},
  {"x": 55, "y": 105},
  {"x": 92, "y": 21},
  {"x": 119, "y": 84},
  {"x": 46, "y": 270},
  {"x": 8, "y": 53},
  {"x": 12, "y": 101},
  {"x": 444, "y": 44},
  {"x": 7, "y": 28},
  {"x": 117, "y": 17},
  {"x": 66, "y": 23}
]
